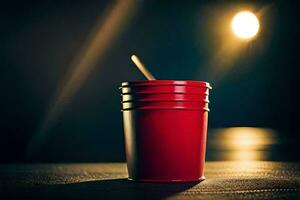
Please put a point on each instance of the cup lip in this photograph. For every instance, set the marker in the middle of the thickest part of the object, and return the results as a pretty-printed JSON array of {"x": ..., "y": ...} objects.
[
  {"x": 146, "y": 95},
  {"x": 164, "y": 89},
  {"x": 164, "y": 97},
  {"x": 166, "y": 82},
  {"x": 147, "y": 92},
  {"x": 165, "y": 108},
  {"x": 165, "y": 105},
  {"x": 164, "y": 100}
]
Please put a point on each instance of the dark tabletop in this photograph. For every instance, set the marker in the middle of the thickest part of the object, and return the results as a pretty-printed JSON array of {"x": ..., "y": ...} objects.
[{"x": 224, "y": 180}]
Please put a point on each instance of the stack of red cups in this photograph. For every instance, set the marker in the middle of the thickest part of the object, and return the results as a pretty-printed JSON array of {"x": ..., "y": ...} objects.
[{"x": 165, "y": 125}]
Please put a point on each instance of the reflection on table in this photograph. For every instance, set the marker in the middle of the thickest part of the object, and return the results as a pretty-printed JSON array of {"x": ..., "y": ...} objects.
[{"x": 249, "y": 144}]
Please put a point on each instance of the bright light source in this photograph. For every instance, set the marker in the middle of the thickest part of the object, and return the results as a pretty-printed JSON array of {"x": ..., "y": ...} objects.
[{"x": 245, "y": 25}]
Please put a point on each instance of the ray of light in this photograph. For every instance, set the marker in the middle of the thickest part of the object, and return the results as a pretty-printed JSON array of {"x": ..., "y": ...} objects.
[{"x": 107, "y": 29}]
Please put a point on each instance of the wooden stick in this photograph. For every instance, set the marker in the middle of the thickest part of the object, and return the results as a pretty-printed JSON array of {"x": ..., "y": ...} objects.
[{"x": 142, "y": 67}]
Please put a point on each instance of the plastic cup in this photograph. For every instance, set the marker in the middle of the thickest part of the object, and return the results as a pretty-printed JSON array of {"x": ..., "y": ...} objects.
[{"x": 165, "y": 134}]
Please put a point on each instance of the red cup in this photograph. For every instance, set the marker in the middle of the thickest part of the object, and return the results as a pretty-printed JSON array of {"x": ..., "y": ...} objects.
[{"x": 165, "y": 141}]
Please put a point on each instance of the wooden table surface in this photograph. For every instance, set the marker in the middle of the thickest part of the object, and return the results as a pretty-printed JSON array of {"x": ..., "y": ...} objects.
[{"x": 224, "y": 180}]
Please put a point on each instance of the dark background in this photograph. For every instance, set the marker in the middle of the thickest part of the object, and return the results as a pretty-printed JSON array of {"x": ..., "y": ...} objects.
[{"x": 176, "y": 40}]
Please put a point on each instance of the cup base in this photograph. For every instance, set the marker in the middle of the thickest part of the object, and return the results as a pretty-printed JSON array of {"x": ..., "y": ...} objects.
[{"x": 167, "y": 180}]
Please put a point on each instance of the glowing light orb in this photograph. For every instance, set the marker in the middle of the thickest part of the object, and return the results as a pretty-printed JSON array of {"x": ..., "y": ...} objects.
[{"x": 245, "y": 25}]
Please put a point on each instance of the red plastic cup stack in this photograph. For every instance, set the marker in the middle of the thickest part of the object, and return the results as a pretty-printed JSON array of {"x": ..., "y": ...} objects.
[{"x": 165, "y": 125}]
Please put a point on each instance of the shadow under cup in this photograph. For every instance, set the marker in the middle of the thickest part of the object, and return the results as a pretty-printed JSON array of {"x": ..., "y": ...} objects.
[{"x": 165, "y": 125}]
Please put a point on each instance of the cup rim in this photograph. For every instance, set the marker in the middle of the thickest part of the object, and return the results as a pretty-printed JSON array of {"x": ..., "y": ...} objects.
[
  {"x": 165, "y": 100},
  {"x": 147, "y": 92},
  {"x": 165, "y": 108},
  {"x": 168, "y": 93},
  {"x": 166, "y": 82},
  {"x": 164, "y": 97},
  {"x": 165, "y": 104}
]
